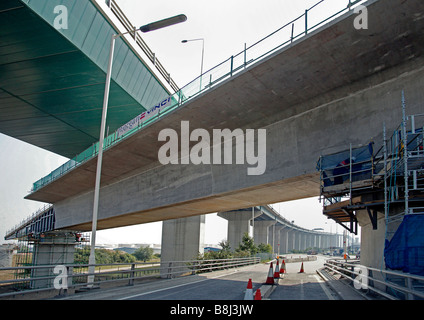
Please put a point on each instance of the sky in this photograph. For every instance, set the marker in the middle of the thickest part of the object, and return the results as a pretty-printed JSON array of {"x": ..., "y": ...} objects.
[{"x": 226, "y": 26}]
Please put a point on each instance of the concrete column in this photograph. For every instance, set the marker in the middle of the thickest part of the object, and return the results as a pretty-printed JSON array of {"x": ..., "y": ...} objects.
[
  {"x": 182, "y": 239},
  {"x": 284, "y": 239},
  {"x": 302, "y": 241},
  {"x": 274, "y": 237},
  {"x": 309, "y": 240},
  {"x": 261, "y": 231},
  {"x": 372, "y": 240},
  {"x": 306, "y": 240},
  {"x": 290, "y": 240},
  {"x": 55, "y": 248},
  {"x": 298, "y": 240},
  {"x": 295, "y": 240},
  {"x": 319, "y": 241},
  {"x": 238, "y": 224}
]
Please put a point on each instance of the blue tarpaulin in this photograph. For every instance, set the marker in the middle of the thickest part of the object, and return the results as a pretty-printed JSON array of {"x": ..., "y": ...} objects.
[{"x": 405, "y": 251}]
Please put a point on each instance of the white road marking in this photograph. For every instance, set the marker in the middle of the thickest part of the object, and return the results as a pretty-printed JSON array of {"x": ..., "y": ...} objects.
[
  {"x": 177, "y": 286},
  {"x": 324, "y": 288}
]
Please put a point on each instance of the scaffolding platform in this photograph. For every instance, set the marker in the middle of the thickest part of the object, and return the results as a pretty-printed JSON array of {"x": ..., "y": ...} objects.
[{"x": 365, "y": 178}]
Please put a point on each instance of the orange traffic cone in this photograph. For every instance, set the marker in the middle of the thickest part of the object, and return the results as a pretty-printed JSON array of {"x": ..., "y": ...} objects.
[
  {"x": 258, "y": 295},
  {"x": 277, "y": 271},
  {"x": 249, "y": 291},
  {"x": 301, "y": 269},
  {"x": 270, "y": 278},
  {"x": 283, "y": 267}
]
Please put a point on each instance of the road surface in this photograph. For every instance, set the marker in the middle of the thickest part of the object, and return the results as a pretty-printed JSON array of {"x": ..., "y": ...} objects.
[{"x": 225, "y": 285}]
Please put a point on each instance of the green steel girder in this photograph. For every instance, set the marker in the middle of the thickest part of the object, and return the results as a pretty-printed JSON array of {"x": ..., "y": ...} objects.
[{"x": 52, "y": 81}]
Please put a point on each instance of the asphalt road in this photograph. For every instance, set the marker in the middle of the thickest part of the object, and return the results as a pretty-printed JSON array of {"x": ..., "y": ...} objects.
[
  {"x": 303, "y": 286},
  {"x": 224, "y": 285},
  {"x": 219, "y": 285}
]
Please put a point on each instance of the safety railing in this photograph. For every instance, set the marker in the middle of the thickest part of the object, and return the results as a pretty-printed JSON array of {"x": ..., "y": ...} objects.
[
  {"x": 277, "y": 40},
  {"x": 342, "y": 172},
  {"x": 389, "y": 284},
  {"x": 61, "y": 278},
  {"x": 129, "y": 27},
  {"x": 362, "y": 167},
  {"x": 46, "y": 214}
]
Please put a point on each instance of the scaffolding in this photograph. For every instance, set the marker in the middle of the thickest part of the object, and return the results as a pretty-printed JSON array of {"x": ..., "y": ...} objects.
[
  {"x": 345, "y": 178},
  {"x": 44, "y": 248},
  {"x": 387, "y": 180}
]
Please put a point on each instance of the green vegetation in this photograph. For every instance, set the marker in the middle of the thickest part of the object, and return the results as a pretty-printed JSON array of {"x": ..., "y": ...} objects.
[
  {"x": 247, "y": 248},
  {"x": 143, "y": 254},
  {"x": 103, "y": 256}
]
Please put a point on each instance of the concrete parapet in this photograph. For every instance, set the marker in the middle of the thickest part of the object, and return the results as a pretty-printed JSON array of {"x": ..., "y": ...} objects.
[{"x": 298, "y": 259}]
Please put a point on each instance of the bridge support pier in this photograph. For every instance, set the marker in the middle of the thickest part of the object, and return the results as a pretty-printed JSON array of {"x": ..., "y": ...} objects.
[
  {"x": 284, "y": 240},
  {"x": 262, "y": 231},
  {"x": 275, "y": 237},
  {"x": 238, "y": 224},
  {"x": 52, "y": 248},
  {"x": 182, "y": 240},
  {"x": 373, "y": 240},
  {"x": 291, "y": 244}
]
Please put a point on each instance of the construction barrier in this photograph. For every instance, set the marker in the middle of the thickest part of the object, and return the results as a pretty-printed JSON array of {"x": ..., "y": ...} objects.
[
  {"x": 277, "y": 273},
  {"x": 258, "y": 295},
  {"x": 270, "y": 278},
  {"x": 283, "y": 267},
  {"x": 249, "y": 291}
]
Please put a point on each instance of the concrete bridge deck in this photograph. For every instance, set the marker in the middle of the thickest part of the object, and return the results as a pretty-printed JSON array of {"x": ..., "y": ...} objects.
[{"x": 313, "y": 97}]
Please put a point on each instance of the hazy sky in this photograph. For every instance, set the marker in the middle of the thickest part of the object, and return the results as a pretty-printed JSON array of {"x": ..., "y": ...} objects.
[{"x": 225, "y": 25}]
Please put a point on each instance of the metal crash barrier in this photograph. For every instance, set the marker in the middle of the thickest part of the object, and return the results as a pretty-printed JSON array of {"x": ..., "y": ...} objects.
[{"x": 390, "y": 284}]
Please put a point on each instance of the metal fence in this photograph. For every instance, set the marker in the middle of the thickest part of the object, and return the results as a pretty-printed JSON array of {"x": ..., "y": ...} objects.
[
  {"x": 61, "y": 278},
  {"x": 390, "y": 284}
]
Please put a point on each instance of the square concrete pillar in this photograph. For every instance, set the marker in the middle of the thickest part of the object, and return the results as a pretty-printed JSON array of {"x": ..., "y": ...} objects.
[
  {"x": 261, "y": 232},
  {"x": 238, "y": 224},
  {"x": 275, "y": 237},
  {"x": 52, "y": 249},
  {"x": 284, "y": 240},
  {"x": 183, "y": 239}
]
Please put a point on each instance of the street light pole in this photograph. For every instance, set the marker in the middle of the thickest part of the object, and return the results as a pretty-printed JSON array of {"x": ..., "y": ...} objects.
[
  {"x": 92, "y": 258},
  {"x": 146, "y": 28},
  {"x": 203, "y": 54}
]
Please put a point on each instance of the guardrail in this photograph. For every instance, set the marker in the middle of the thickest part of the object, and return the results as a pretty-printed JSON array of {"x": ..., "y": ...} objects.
[
  {"x": 392, "y": 285},
  {"x": 61, "y": 278},
  {"x": 279, "y": 39},
  {"x": 41, "y": 214}
]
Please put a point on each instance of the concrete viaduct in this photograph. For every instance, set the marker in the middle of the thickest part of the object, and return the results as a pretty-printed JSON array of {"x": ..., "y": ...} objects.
[
  {"x": 182, "y": 239},
  {"x": 333, "y": 87}
]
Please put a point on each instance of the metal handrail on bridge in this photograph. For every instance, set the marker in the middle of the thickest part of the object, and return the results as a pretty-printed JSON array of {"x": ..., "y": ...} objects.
[
  {"x": 77, "y": 274},
  {"x": 141, "y": 43},
  {"x": 405, "y": 287}
]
